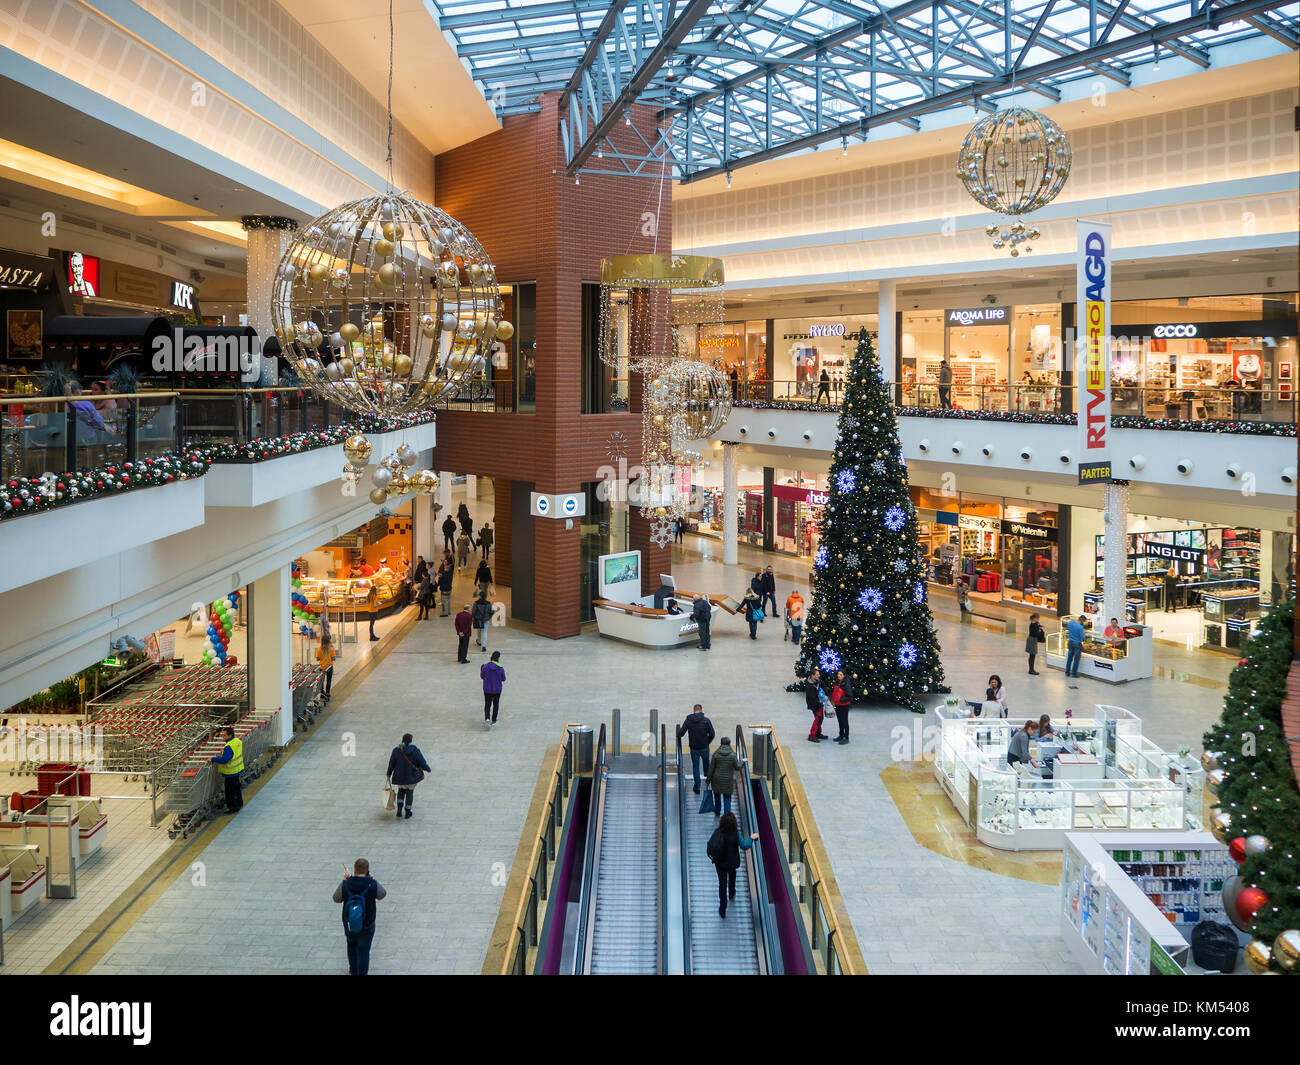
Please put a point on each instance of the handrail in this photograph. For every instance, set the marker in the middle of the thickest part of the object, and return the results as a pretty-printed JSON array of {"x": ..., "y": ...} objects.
[
  {"x": 586, "y": 895},
  {"x": 663, "y": 848},
  {"x": 827, "y": 943},
  {"x": 766, "y": 943},
  {"x": 83, "y": 397},
  {"x": 685, "y": 862},
  {"x": 524, "y": 929}
]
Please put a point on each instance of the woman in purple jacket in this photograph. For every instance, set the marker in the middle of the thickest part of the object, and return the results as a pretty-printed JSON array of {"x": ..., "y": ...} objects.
[{"x": 494, "y": 676}]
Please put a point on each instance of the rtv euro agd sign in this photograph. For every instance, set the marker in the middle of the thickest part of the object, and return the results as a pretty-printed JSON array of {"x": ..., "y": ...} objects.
[{"x": 1092, "y": 351}]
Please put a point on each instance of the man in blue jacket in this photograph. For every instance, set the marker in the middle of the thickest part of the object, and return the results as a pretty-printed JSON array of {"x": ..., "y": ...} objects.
[
  {"x": 494, "y": 676},
  {"x": 1074, "y": 645},
  {"x": 406, "y": 768},
  {"x": 360, "y": 884}
]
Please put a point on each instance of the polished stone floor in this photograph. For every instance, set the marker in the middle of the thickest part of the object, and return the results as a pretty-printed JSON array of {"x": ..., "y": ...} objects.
[{"x": 262, "y": 901}]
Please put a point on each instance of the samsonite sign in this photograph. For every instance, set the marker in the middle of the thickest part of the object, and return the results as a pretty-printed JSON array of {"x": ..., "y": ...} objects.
[{"x": 1093, "y": 269}]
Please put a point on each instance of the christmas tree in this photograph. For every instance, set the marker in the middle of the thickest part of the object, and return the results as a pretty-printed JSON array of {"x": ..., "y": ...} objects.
[
  {"x": 869, "y": 615},
  {"x": 1258, "y": 806}
]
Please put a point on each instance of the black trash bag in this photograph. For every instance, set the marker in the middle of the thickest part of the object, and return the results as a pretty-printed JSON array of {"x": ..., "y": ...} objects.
[{"x": 1215, "y": 947}]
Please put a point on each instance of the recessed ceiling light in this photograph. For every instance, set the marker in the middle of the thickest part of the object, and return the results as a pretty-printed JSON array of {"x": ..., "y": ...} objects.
[{"x": 1236, "y": 260}]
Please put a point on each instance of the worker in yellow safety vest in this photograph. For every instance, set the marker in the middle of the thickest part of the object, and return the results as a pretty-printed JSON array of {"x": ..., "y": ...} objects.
[{"x": 230, "y": 764}]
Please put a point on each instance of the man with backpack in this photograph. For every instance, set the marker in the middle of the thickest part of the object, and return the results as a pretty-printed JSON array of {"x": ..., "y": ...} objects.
[
  {"x": 702, "y": 613},
  {"x": 359, "y": 893},
  {"x": 699, "y": 729}
]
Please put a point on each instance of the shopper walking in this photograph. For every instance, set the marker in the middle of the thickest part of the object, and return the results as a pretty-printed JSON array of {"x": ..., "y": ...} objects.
[
  {"x": 446, "y": 574},
  {"x": 699, "y": 732},
  {"x": 1171, "y": 590},
  {"x": 680, "y": 530},
  {"x": 230, "y": 763},
  {"x": 462, "y": 551},
  {"x": 842, "y": 699},
  {"x": 823, "y": 387},
  {"x": 483, "y": 577},
  {"x": 815, "y": 700},
  {"x": 486, "y": 538},
  {"x": 359, "y": 893},
  {"x": 482, "y": 615},
  {"x": 325, "y": 663},
  {"x": 724, "y": 849},
  {"x": 424, "y": 597},
  {"x": 406, "y": 768},
  {"x": 372, "y": 608},
  {"x": 449, "y": 532},
  {"x": 466, "y": 523},
  {"x": 767, "y": 591},
  {"x": 1035, "y": 637},
  {"x": 753, "y": 612},
  {"x": 756, "y": 583},
  {"x": 1073, "y": 645},
  {"x": 945, "y": 385},
  {"x": 794, "y": 616},
  {"x": 702, "y": 612},
  {"x": 463, "y": 623},
  {"x": 721, "y": 776},
  {"x": 494, "y": 676}
]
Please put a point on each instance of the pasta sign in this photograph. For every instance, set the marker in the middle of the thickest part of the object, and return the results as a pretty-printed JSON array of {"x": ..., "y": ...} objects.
[{"x": 1092, "y": 362}]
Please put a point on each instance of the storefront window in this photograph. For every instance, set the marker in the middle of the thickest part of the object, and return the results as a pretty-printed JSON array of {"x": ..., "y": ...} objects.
[
  {"x": 739, "y": 349},
  {"x": 808, "y": 347},
  {"x": 1030, "y": 553},
  {"x": 798, "y": 502}
]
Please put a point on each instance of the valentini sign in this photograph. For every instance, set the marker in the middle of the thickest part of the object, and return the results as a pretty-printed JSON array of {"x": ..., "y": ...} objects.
[{"x": 1092, "y": 351}]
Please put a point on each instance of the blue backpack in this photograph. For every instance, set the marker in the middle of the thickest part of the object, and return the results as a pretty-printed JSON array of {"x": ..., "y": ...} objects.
[{"x": 354, "y": 908}]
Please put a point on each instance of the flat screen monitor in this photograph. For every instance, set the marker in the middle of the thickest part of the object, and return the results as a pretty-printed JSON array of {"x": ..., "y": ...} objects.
[{"x": 620, "y": 568}]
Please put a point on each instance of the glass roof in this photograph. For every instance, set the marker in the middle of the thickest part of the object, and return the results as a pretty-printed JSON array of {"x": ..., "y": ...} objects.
[{"x": 743, "y": 80}]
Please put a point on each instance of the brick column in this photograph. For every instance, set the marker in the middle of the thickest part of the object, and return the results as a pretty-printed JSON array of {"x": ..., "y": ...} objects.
[
  {"x": 557, "y": 597},
  {"x": 501, "y": 543}
]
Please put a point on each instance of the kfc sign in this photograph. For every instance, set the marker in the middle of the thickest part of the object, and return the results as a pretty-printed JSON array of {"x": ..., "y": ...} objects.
[{"x": 182, "y": 296}]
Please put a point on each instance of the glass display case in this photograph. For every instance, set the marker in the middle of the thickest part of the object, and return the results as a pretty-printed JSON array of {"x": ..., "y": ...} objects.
[
  {"x": 1113, "y": 661},
  {"x": 1041, "y": 804},
  {"x": 998, "y": 801}
]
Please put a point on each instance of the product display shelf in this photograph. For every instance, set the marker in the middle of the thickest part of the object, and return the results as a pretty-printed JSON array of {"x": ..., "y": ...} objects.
[{"x": 1149, "y": 890}]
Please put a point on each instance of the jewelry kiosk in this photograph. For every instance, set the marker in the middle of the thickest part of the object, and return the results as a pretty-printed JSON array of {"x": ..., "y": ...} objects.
[
  {"x": 1113, "y": 661},
  {"x": 623, "y": 613}
]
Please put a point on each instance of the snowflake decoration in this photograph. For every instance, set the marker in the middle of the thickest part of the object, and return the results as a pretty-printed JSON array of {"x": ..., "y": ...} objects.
[
  {"x": 615, "y": 446},
  {"x": 661, "y": 532},
  {"x": 870, "y": 599},
  {"x": 906, "y": 655},
  {"x": 828, "y": 659},
  {"x": 821, "y": 558},
  {"x": 878, "y": 467},
  {"x": 845, "y": 480},
  {"x": 895, "y": 519},
  {"x": 849, "y": 422},
  {"x": 845, "y": 620},
  {"x": 918, "y": 593},
  {"x": 852, "y": 560},
  {"x": 900, "y": 565}
]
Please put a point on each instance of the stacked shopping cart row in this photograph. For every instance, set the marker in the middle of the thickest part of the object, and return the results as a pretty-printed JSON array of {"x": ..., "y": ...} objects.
[
  {"x": 146, "y": 736},
  {"x": 304, "y": 689},
  {"x": 194, "y": 791}
]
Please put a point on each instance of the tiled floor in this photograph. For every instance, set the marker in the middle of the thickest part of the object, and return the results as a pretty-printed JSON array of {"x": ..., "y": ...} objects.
[{"x": 913, "y": 907}]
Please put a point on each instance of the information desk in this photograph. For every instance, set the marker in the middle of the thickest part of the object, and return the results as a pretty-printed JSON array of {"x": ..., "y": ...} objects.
[
  {"x": 1129, "y": 901},
  {"x": 623, "y": 613},
  {"x": 1139, "y": 786},
  {"x": 1114, "y": 662}
]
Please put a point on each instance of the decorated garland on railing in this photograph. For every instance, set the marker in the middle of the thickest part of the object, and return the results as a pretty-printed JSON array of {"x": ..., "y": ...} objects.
[
  {"x": 296, "y": 443},
  {"x": 1117, "y": 421},
  {"x": 29, "y": 495}
]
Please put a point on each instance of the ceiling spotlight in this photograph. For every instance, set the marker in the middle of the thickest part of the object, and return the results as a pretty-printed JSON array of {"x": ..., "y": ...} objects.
[
  {"x": 575, "y": 180},
  {"x": 600, "y": 154},
  {"x": 1157, "y": 64},
  {"x": 728, "y": 179},
  {"x": 627, "y": 119},
  {"x": 844, "y": 146}
]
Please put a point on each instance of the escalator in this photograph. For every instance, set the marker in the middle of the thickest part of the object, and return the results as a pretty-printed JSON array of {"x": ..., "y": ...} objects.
[{"x": 635, "y": 891}]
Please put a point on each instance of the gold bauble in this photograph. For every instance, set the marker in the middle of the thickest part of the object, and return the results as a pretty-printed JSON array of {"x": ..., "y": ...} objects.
[
  {"x": 658, "y": 419},
  {"x": 387, "y": 275},
  {"x": 424, "y": 483},
  {"x": 1214, "y": 780},
  {"x": 387, "y": 362},
  {"x": 357, "y": 449},
  {"x": 399, "y": 485},
  {"x": 1258, "y": 955},
  {"x": 378, "y": 495},
  {"x": 348, "y": 367},
  {"x": 349, "y": 332},
  {"x": 1286, "y": 949},
  {"x": 1221, "y": 825},
  {"x": 428, "y": 326},
  {"x": 287, "y": 334},
  {"x": 402, "y": 365},
  {"x": 316, "y": 272},
  {"x": 383, "y": 248},
  {"x": 393, "y": 231},
  {"x": 505, "y": 330}
]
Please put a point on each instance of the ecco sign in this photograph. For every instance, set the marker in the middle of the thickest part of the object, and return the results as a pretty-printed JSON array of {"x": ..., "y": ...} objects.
[{"x": 1186, "y": 330}]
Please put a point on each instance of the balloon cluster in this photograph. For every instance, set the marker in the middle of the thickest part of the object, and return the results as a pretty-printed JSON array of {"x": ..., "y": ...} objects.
[
  {"x": 220, "y": 624},
  {"x": 302, "y": 609}
]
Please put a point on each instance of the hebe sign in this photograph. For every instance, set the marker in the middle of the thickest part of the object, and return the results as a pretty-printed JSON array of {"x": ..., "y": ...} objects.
[{"x": 1091, "y": 351}]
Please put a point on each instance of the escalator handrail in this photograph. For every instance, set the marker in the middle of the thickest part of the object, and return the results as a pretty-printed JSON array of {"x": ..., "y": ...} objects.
[
  {"x": 685, "y": 863},
  {"x": 663, "y": 850},
  {"x": 588, "y": 888},
  {"x": 766, "y": 943}
]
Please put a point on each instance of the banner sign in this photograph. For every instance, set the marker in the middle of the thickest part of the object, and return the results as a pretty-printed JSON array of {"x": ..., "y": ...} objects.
[
  {"x": 978, "y": 316},
  {"x": 1173, "y": 554},
  {"x": 1091, "y": 350}
]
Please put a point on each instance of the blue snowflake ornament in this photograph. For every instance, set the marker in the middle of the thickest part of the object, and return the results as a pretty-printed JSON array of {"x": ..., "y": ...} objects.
[
  {"x": 918, "y": 593},
  {"x": 845, "y": 480},
  {"x": 895, "y": 519},
  {"x": 828, "y": 659},
  {"x": 870, "y": 599},
  {"x": 906, "y": 655},
  {"x": 821, "y": 558}
]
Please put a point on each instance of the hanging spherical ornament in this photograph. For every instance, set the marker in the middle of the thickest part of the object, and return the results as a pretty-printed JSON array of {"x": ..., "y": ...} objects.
[
  {"x": 505, "y": 330},
  {"x": 424, "y": 483},
  {"x": 1258, "y": 956},
  {"x": 382, "y": 477},
  {"x": 378, "y": 495},
  {"x": 1237, "y": 849},
  {"x": 407, "y": 456},
  {"x": 1249, "y": 901},
  {"x": 1027, "y": 173},
  {"x": 1286, "y": 949},
  {"x": 1257, "y": 845},
  {"x": 376, "y": 255},
  {"x": 1210, "y": 760},
  {"x": 356, "y": 448},
  {"x": 1214, "y": 780},
  {"x": 1221, "y": 826}
]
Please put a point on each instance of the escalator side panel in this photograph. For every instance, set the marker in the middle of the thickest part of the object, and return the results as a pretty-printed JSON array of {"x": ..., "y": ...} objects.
[
  {"x": 796, "y": 955},
  {"x": 566, "y": 885}
]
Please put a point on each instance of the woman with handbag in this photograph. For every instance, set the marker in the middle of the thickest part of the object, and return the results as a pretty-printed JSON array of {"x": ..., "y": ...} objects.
[
  {"x": 406, "y": 768},
  {"x": 1035, "y": 637},
  {"x": 842, "y": 699},
  {"x": 753, "y": 612},
  {"x": 724, "y": 849}
]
